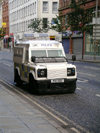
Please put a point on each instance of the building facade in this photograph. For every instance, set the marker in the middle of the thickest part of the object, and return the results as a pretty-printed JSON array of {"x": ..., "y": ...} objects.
[
  {"x": 22, "y": 12},
  {"x": 5, "y": 16},
  {"x": 75, "y": 45},
  {"x": 0, "y": 13}
]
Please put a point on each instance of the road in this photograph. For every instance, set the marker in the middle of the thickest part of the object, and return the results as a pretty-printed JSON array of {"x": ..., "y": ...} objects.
[{"x": 81, "y": 109}]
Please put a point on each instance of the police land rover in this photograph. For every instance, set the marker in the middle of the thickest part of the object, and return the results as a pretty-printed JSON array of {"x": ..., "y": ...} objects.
[{"x": 43, "y": 65}]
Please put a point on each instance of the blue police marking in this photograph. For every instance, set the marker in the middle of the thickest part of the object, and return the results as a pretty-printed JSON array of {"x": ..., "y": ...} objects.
[{"x": 48, "y": 45}]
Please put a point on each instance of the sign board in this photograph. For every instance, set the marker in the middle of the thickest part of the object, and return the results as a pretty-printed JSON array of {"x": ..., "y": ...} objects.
[
  {"x": 52, "y": 37},
  {"x": 4, "y": 24},
  {"x": 67, "y": 33}
]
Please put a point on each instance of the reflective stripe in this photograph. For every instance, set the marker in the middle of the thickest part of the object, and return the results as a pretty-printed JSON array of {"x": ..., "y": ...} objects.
[{"x": 24, "y": 70}]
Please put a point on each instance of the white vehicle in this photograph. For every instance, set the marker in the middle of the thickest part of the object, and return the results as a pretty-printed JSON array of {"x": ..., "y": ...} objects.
[{"x": 43, "y": 64}]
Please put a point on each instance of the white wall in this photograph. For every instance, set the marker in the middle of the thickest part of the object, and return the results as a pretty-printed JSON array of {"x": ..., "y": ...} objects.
[
  {"x": 21, "y": 13},
  {"x": 49, "y": 14}
]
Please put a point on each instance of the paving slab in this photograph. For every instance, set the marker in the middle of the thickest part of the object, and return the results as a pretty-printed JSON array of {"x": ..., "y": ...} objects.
[{"x": 17, "y": 116}]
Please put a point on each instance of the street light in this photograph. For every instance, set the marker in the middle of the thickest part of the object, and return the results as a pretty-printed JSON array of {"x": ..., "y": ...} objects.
[{"x": 96, "y": 16}]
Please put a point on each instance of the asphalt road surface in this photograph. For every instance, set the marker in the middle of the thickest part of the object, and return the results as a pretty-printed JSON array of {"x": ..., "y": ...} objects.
[{"x": 81, "y": 108}]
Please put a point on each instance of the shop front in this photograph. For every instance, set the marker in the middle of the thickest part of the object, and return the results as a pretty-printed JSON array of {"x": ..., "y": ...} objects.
[{"x": 92, "y": 47}]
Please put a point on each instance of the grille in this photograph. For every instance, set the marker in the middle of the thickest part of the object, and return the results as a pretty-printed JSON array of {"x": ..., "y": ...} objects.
[{"x": 56, "y": 73}]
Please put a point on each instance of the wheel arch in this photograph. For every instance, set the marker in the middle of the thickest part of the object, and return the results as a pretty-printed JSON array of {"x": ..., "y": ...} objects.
[
  {"x": 31, "y": 75},
  {"x": 18, "y": 70}
]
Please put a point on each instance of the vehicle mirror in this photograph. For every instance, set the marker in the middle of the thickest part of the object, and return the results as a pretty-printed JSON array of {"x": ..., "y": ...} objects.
[
  {"x": 73, "y": 57},
  {"x": 33, "y": 58}
]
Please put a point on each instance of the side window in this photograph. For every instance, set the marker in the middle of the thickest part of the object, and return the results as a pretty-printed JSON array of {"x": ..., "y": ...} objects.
[{"x": 26, "y": 56}]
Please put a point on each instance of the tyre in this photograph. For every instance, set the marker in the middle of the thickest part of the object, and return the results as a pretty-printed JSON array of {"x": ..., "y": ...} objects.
[
  {"x": 72, "y": 87},
  {"x": 32, "y": 84},
  {"x": 17, "y": 78}
]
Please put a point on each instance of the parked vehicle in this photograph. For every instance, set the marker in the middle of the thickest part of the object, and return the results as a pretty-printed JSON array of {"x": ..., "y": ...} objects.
[{"x": 43, "y": 65}]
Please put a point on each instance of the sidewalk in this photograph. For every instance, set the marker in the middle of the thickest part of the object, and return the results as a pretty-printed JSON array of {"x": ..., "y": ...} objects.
[
  {"x": 87, "y": 58},
  {"x": 17, "y": 116},
  {"x": 6, "y": 49}
]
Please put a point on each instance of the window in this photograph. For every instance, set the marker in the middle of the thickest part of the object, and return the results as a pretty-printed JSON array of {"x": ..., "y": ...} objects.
[
  {"x": 48, "y": 56},
  {"x": 55, "y": 7},
  {"x": 38, "y": 53},
  {"x": 45, "y": 21},
  {"x": 26, "y": 58},
  {"x": 45, "y": 6},
  {"x": 35, "y": 8},
  {"x": 66, "y": 19},
  {"x": 53, "y": 21},
  {"x": 55, "y": 53}
]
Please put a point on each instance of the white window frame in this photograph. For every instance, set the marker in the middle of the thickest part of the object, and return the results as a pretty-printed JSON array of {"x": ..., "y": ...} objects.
[
  {"x": 54, "y": 9},
  {"x": 44, "y": 8}
]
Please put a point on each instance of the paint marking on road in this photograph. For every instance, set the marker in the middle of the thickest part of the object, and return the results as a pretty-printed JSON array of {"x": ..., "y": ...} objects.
[
  {"x": 5, "y": 63},
  {"x": 88, "y": 74},
  {"x": 93, "y": 68},
  {"x": 79, "y": 89},
  {"x": 9, "y": 65},
  {"x": 97, "y": 95},
  {"x": 82, "y": 80}
]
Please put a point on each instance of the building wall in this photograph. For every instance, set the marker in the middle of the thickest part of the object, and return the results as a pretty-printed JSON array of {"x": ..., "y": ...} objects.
[
  {"x": 23, "y": 11},
  {"x": 0, "y": 13},
  {"x": 64, "y": 6},
  {"x": 64, "y": 9},
  {"x": 5, "y": 15},
  {"x": 49, "y": 14}
]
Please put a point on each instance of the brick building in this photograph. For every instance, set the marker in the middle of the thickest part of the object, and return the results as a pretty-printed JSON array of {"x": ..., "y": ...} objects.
[
  {"x": 0, "y": 13},
  {"x": 74, "y": 45},
  {"x": 5, "y": 15}
]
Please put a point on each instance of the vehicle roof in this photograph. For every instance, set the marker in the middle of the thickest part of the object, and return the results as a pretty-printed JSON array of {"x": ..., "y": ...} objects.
[{"x": 37, "y": 41}]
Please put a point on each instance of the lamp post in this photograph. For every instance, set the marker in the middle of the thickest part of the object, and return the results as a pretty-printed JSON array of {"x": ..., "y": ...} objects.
[{"x": 96, "y": 16}]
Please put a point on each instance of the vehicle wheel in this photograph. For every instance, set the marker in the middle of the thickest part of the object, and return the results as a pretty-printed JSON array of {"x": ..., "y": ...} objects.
[
  {"x": 72, "y": 87},
  {"x": 17, "y": 79},
  {"x": 32, "y": 84}
]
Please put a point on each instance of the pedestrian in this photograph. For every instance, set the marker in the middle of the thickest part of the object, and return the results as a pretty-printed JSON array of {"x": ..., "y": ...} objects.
[{"x": 4, "y": 42}]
